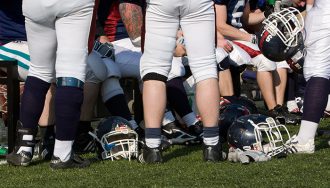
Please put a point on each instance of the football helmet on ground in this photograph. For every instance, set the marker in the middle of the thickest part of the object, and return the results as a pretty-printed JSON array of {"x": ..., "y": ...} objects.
[
  {"x": 116, "y": 139},
  {"x": 280, "y": 37},
  {"x": 258, "y": 132},
  {"x": 228, "y": 114},
  {"x": 246, "y": 102}
]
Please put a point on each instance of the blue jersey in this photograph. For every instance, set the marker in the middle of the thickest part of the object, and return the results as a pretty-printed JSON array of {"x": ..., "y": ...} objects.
[
  {"x": 11, "y": 21},
  {"x": 235, "y": 10}
]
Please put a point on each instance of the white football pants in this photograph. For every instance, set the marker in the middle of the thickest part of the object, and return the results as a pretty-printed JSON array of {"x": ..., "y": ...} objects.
[
  {"x": 197, "y": 20},
  {"x": 57, "y": 33}
]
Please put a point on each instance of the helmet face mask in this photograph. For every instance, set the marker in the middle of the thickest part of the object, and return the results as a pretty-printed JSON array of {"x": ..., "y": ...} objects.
[
  {"x": 116, "y": 139},
  {"x": 286, "y": 24},
  {"x": 258, "y": 132},
  {"x": 119, "y": 145}
]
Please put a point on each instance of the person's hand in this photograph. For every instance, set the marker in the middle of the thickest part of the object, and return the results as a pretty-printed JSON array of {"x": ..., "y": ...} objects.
[
  {"x": 104, "y": 39},
  {"x": 299, "y": 3},
  {"x": 180, "y": 51},
  {"x": 223, "y": 43}
]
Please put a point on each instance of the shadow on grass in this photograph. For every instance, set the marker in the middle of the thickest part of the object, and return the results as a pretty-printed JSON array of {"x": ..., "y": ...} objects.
[{"x": 180, "y": 151}]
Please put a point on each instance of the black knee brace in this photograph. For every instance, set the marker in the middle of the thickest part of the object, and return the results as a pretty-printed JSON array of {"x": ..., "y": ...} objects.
[{"x": 154, "y": 76}]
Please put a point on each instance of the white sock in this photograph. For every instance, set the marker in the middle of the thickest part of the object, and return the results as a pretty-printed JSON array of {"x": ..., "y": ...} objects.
[
  {"x": 211, "y": 141},
  {"x": 292, "y": 105},
  {"x": 190, "y": 119},
  {"x": 153, "y": 142},
  {"x": 26, "y": 148},
  {"x": 307, "y": 131},
  {"x": 168, "y": 118},
  {"x": 133, "y": 124},
  {"x": 62, "y": 149}
]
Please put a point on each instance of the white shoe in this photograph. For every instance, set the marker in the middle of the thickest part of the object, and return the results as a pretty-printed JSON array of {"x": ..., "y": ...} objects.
[{"x": 295, "y": 147}]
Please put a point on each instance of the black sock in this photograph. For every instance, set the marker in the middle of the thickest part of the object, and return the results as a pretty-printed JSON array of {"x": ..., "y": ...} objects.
[
  {"x": 315, "y": 98},
  {"x": 84, "y": 127},
  {"x": 291, "y": 87},
  {"x": 117, "y": 106},
  {"x": 230, "y": 98},
  {"x": 177, "y": 96},
  {"x": 68, "y": 102},
  {"x": 33, "y": 101},
  {"x": 211, "y": 131},
  {"x": 47, "y": 132}
]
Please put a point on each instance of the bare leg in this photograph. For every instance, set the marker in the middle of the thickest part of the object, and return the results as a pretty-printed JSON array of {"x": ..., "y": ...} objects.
[
  {"x": 226, "y": 83},
  {"x": 48, "y": 117},
  {"x": 154, "y": 102},
  {"x": 91, "y": 91},
  {"x": 207, "y": 99},
  {"x": 265, "y": 82},
  {"x": 280, "y": 79}
]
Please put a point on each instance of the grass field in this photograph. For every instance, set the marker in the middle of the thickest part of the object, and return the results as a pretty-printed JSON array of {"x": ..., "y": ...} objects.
[{"x": 183, "y": 168}]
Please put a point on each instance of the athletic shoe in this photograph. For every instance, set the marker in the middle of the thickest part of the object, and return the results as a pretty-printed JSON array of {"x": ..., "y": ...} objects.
[
  {"x": 22, "y": 158},
  {"x": 140, "y": 132},
  {"x": 84, "y": 143},
  {"x": 283, "y": 116},
  {"x": 176, "y": 135},
  {"x": 295, "y": 147},
  {"x": 75, "y": 161},
  {"x": 150, "y": 155},
  {"x": 213, "y": 153},
  {"x": 165, "y": 143},
  {"x": 196, "y": 129},
  {"x": 44, "y": 149}
]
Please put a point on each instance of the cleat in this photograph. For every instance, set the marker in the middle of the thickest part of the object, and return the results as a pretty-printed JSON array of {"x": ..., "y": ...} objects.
[
  {"x": 140, "y": 132},
  {"x": 196, "y": 129},
  {"x": 213, "y": 153},
  {"x": 175, "y": 135},
  {"x": 22, "y": 158},
  {"x": 295, "y": 147},
  {"x": 84, "y": 143},
  {"x": 75, "y": 161},
  {"x": 150, "y": 155},
  {"x": 44, "y": 149},
  {"x": 283, "y": 116}
]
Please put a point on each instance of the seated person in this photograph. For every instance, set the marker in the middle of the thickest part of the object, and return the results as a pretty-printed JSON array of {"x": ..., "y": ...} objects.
[
  {"x": 125, "y": 63},
  {"x": 271, "y": 76}
]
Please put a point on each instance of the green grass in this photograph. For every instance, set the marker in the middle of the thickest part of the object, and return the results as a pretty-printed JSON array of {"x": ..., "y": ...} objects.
[{"x": 183, "y": 167}]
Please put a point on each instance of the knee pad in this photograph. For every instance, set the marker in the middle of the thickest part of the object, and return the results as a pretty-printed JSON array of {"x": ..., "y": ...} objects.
[
  {"x": 239, "y": 56},
  {"x": 71, "y": 63},
  {"x": 154, "y": 76},
  {"x": 263, "y": 64},
  {"x": 111, "y": 87},
  {"x": 69, "y": 82},
  {"x": 203, "y": 68},
  {"x": 91, "y": 77}
]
